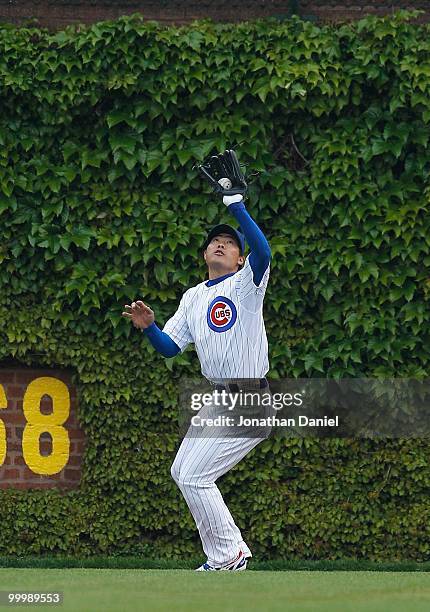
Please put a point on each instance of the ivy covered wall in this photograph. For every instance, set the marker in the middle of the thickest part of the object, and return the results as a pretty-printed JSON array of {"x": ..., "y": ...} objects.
[{"x": 100, "y": 204}]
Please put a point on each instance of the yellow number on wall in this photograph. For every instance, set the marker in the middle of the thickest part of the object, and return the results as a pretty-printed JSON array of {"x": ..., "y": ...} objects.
[
  {"x": 38, "y": 423},
  {"x": 3, "y": 404}
]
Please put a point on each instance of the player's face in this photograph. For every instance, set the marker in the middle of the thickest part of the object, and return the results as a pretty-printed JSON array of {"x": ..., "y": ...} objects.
[{"x": 223, "y": 254}]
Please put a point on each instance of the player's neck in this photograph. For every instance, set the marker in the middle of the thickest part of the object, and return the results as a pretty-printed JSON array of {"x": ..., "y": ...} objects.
[{"x": 214, "y": 274}]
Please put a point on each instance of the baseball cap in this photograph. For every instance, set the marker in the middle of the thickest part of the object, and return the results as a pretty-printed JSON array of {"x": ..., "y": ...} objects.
[{"x": 223, "y": 228}]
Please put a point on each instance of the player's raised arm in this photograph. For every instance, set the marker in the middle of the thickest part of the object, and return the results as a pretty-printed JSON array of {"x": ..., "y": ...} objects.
[
  {"x": 260, "y": 255},
  {"x": 232, "y": 187},
  {"x": 143, "y": 318}
]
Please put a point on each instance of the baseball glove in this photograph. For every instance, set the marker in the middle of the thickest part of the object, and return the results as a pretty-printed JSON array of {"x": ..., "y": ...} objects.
[{"x": 224, "y": 166}]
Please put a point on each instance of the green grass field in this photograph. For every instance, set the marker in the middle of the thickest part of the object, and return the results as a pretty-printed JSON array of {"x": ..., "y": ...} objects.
[{"x": 107, "y": 590}]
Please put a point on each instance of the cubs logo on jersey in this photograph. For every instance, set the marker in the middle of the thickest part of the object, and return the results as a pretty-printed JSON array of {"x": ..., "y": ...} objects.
[{"x": 221, "y": 314}]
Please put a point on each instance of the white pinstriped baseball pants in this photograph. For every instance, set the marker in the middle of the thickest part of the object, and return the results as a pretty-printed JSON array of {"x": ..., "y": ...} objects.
[{"x": 202, "y": 458}]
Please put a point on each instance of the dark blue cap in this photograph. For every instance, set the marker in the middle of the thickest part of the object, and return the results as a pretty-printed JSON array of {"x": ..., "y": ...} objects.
[{"x": 223, "y": 228}]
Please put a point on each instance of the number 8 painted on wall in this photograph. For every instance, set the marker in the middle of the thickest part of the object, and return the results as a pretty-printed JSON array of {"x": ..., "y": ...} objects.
[{"x": 39, "y": 423}]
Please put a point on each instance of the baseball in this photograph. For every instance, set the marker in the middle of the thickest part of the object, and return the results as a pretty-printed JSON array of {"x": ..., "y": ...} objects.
[{"x": 225, "y": 183}]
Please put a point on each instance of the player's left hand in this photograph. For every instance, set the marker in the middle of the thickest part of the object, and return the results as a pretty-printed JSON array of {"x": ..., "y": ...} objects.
[
  {"x": 229, "y": 199},
  {"x": 225, "y": 175}
]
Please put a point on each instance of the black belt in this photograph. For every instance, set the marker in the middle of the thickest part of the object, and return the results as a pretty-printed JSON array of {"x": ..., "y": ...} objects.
[{"x": 242, "y": 383}]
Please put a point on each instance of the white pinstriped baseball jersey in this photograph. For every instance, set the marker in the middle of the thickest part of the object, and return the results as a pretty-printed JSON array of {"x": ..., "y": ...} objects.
[{"x": 225, "y": 323}]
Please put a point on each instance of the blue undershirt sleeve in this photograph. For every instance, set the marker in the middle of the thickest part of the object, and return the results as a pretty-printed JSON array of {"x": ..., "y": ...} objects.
[
  {"x": 260, "y": 255},
  {"x": 161, "y": 341}
]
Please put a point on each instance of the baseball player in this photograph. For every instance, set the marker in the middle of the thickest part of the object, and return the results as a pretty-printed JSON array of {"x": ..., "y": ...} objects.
[{"x": 223, "y": 317}]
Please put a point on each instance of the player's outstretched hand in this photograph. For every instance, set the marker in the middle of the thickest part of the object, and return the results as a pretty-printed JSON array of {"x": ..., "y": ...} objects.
[
  {"x": 229, "y": 199},
  {"x": 140, "y": 314}
]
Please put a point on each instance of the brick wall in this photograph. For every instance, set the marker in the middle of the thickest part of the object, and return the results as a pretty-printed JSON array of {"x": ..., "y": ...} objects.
[
  {"x": 57, "y": 14},
  {"x": 16, "y": 385}
]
